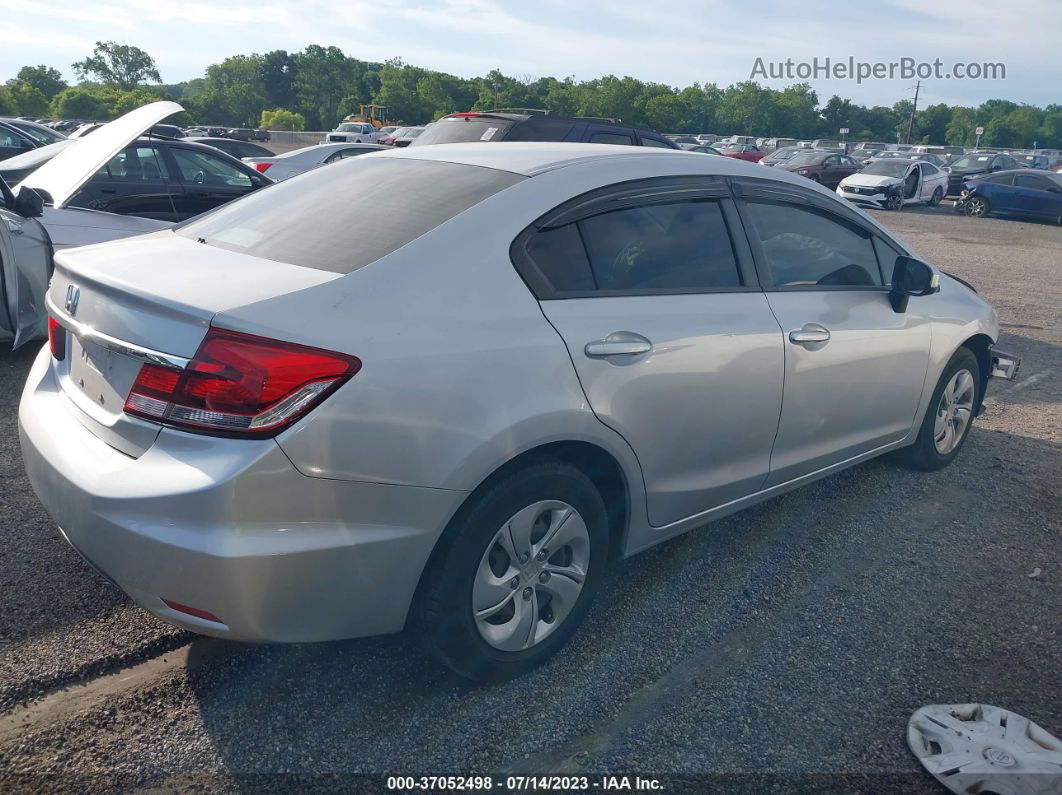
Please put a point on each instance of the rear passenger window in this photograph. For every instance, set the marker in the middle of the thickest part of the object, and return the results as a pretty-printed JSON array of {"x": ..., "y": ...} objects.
[
  {"x": 805, "y": 248},
  {"x": 653, "y": 248},
  {"x": 647, "y": 141},
  {"x": 611, "y": 138}
]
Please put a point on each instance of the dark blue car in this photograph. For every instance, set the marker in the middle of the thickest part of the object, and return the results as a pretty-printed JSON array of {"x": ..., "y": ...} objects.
[{"x": 1024, "y": 191}]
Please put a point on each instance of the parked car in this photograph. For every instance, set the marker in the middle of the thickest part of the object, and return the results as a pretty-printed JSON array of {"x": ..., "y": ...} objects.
[
  {"x": 159, "y": 178},
  {"x": 689, "y": 140},
  {"x": 1023, "y": 192},
  {"x": 33, "y": 229},
  {"x": 241, "y": 134},
  {"x": 774, "y": 144},
  {"x": 780, "y": 155},
  {"x": 406, "y": 136},
  {"x": 261, "y": 135},
  {"x": 701, "y": 148},
  {"x": 352, "y": 132},
  {"x": 14, "y": 142},
  {"x": 868, "y": 146},
  {"x": 516, "y": 126},
  {"x": 384, "y": 132},
  {"x": 84, "y": 129},
  {"x": 230, "y": 146},
  {"x": 743, "y": 152},
  {"x": 268, "y": 450},
  {"x": 827, "y": 168},
  {"x": 890, "y": 184},
  {"x": 299, "y": 161},
  {"x": 41, "y": 133},
  {"x": 1034, "y": 161},
  {"x": 167, "y": 131},
  {"x": 826, "y": 143},
  {"x": 977, "y": 163}
]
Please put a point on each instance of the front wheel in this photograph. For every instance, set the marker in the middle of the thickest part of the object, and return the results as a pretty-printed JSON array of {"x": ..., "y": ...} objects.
[
  {"x": 894, "y": 201},
  {"x": 977, "y": 207},
  {"x": 518, "y": 570},
  {"x": 949, "y": 415}
]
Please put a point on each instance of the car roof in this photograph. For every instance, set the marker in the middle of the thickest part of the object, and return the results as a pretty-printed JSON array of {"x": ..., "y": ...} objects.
[{"x": 529, "y": 159}]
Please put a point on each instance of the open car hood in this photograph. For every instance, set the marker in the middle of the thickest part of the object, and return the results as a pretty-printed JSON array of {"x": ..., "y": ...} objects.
[{"x": 63, "y": 175}]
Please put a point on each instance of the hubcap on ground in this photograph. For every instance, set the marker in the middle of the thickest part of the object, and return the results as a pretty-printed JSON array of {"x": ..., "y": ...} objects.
[
  {"x": 531, "y": 575},
  {"x": 954, "y": 411}
]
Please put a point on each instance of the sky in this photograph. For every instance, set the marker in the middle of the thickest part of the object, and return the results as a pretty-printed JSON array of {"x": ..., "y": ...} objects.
[{"x": 677, "y": 42}]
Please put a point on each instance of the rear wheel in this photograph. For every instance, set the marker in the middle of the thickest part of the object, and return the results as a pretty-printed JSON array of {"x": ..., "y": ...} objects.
[
  {"x": 938, "y": 196},
  {"x": 520, "y": 566},
  {"x": 949, "y": 415},
  {"x": 977, "y": 207}
]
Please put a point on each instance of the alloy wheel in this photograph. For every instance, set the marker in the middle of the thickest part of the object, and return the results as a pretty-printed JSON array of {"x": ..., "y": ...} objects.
[
  {"x": 954, "y": 411},
  {"x": 976, "y": 207},
  {"x": 531, "y": 575}
]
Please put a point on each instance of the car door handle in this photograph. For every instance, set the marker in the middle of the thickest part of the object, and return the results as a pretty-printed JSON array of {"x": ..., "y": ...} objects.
[
  {"x": 810, "y": 334},
  {"x": 618, "y": 343}
]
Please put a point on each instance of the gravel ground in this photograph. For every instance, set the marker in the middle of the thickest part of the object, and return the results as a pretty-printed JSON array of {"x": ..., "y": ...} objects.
[{"x": 782, "y": 648}]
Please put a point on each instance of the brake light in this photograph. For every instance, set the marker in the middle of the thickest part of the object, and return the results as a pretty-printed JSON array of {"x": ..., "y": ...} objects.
[
  {"x": 464, "y": 115},
  {"x": 56, "y": 339},
  {"x": 262, "y": 168},
  {"x": 240, "y": 384}
]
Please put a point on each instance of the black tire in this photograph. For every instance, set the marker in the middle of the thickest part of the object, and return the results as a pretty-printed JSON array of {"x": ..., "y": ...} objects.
[
  {"x": 442, "y": 611},
  {"x": 938, "y": 196},
  {"x": 923, "y": 454}
]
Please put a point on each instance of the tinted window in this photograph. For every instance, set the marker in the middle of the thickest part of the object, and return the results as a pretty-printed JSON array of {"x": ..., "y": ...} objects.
[
  {"x": 929, "y": 169},
  {"x": 560, "y": 256},
  {"x": 647, "y": 141},
  {"x": 273, "y": 223},
  {"x": 1030, "y": 181},
  {"x": 202, "y": 168},
  {"x": 540, "y": 130},
  {"x": 1000, "y": 179},
  {"x": 805, "y": 248},
  {"x": 677, "y": 246},
  {"x": 9, "y": 138},
  {"x": 135, "y": 164},
  {"x": 463, "y": 129},
  {"x": 611, "y": 138}
]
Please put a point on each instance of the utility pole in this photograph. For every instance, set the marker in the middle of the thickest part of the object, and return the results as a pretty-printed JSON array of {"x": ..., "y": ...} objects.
[{"x": 914, "y": 109}]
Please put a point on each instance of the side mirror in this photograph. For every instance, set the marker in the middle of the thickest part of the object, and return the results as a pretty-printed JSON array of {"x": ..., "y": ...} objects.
[
  {"x": 29, "y": 203},
  {"x": 911, "y": 277}
]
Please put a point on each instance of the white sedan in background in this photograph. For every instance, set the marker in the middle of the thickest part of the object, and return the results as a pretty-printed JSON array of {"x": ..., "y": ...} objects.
[
  {"x": 892, "y": 183},
  {"x": 299, "y": 161}
]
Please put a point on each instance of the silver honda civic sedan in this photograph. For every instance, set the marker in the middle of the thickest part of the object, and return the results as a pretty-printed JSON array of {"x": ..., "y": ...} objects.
[{"x": 453, "y": 403}]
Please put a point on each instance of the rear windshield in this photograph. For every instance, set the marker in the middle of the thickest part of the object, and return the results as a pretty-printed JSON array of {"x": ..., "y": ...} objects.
[
  {"x": 462, "y": 129},
  {"x": 313, "y": 221}
]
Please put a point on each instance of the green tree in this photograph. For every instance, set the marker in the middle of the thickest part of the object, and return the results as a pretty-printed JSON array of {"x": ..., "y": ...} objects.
[
  {"x": 323, "y": 77},
  {"x": 961, "y": 128},
  {"x": 233, "y": 92},
  {"x": 280, "y": 119},
  {"x": 746, "y": 108},
  {"x": 932, "y": 123},
  {"x": 120, "y": 65},
  {"x": 80, "y": 102},
  {"x": 278, "y": 70},
  {"x": 28, "y": 100},
  {"x": 43, "y": 78}
]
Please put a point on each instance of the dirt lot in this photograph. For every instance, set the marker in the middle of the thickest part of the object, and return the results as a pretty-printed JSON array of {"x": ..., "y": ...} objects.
[{"x": 784, "y": 647}]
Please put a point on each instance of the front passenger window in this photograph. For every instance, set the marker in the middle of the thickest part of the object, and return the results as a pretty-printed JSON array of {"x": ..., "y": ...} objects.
[{"x": 806, "y": 248}]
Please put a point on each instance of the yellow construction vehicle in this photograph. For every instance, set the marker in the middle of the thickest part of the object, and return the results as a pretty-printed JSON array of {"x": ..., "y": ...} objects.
[{"x": 374, "y": 116}]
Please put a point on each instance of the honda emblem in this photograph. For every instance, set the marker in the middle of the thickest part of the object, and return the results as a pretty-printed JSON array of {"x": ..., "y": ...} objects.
[{"x": 73, "y": 294}]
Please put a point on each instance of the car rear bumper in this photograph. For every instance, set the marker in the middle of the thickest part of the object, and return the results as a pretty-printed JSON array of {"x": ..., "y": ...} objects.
[{"x": 230, "y": 527}]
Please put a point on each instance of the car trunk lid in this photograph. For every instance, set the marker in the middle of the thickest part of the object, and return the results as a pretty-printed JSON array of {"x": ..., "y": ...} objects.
[{"x": 150, "y": 300}]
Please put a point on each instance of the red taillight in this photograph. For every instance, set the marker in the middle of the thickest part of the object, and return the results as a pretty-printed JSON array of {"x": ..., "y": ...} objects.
[
  {"x": 56, "y": 339},
  {"x": 240, "y": 384},
  {"x": 468, "y": 115},
  {"x": 262, "y": 168}
]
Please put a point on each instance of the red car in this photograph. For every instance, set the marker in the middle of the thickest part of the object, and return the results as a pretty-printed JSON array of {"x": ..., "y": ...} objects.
[{"x": 743, "y": 152}]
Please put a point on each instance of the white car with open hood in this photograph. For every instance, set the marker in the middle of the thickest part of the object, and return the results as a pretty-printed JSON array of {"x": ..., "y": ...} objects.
[
  {"x": 36, "y": 221},
  {"x": 893, "y": 183}
]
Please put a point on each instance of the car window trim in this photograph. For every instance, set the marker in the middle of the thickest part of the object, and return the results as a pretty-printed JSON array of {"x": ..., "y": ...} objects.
[
  {"x": 799, "y": 199},
  {"x": 660, "y": 190}
]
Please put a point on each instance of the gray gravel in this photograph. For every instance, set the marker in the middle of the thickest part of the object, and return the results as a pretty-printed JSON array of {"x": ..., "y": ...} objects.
[{"x": 782, "y": 648}]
